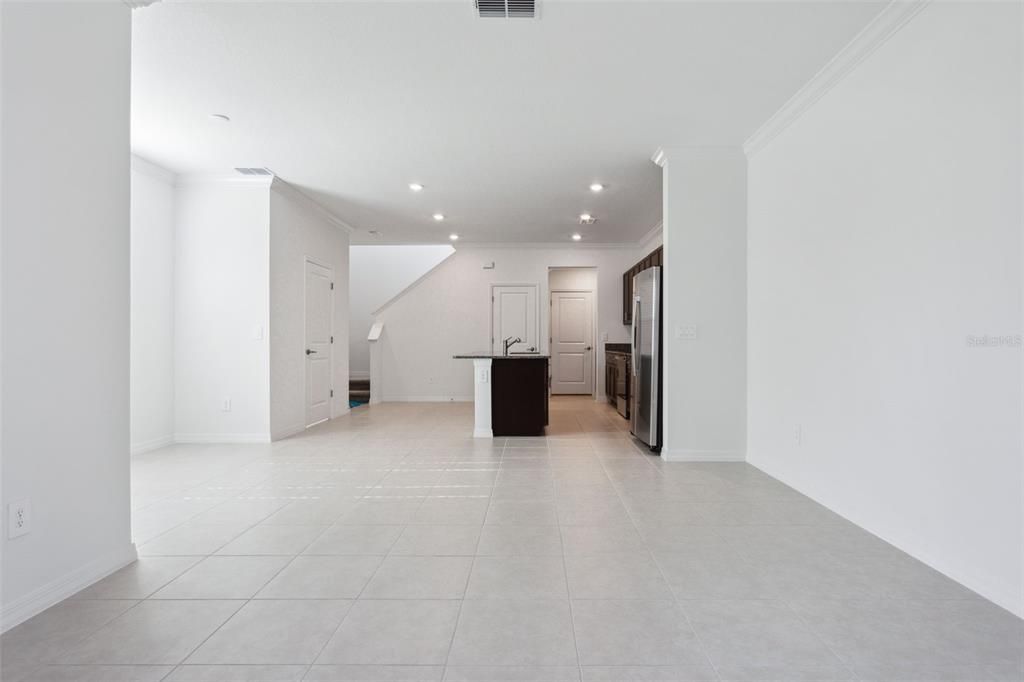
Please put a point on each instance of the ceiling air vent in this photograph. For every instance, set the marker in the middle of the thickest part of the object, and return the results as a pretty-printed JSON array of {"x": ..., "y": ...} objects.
[
  {"x": 255, "y": 171},
  {"x": 507, "y": 9}
]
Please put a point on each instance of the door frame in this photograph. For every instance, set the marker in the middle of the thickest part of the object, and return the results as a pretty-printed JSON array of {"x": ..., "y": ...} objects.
[
  {"x": 536, "y": 311},
  {"x": 309, "y": 260},
  {"x": 593, "y": 330}
]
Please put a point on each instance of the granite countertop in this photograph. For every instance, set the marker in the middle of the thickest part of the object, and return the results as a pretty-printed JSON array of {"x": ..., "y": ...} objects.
[{"x": 485, "y": 355}]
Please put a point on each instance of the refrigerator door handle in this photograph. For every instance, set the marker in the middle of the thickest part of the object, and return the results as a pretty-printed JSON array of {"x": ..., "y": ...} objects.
[{"x": 636, "y": 328}]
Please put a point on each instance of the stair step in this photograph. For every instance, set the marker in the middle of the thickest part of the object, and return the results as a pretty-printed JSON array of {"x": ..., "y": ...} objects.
[
  {"x": 359, "y": 384},
  {"x": 363, "y": 396}
]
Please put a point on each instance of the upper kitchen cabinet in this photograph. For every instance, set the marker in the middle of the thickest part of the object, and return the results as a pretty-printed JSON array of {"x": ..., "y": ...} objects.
[{"x": 653, "y": 259}]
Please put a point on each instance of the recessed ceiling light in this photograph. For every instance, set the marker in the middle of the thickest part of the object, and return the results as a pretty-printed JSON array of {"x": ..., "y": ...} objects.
[
  {"x": 220, "y": 117},
  {"x": 576, "y": 237},
  {"x": 453, "y": 237},
  {"x": 596, "y": 187},
  {"x": 586, "y": 217},
  {"x": 415, "y": 187},
  {"x": 438, "y": 217}
]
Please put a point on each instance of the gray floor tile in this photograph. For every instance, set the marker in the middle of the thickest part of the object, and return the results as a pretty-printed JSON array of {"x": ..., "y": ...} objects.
[
  {"x": 514, "y": 632},
  {"x": 634, "y": 632},
  {"x": 228, "y": 577},
  {"x": 322, "y": 577},
  {"x": 272, "y": 540},
  {"x": 510, "y": 577},
  {"x": 140, "y": 579},
  {"x": 649, "y": 673},
  {"x": 417, "y": 540},
  {"x": 416, "y": 632},
  {"x": 512, "y": 673},
  {"x": 751, "y": 633},
  {"x": 615, "y": 576},
  {"x": 98, "y": 673},
  {"x": 714, "y": 574},
  {"x": 237, "y": 673},
  {"x": 375, "y": 673},
  {"x": 274, "y": 632},
  {"x": 355, "y": 539},
  {"x": 503, "y": 540},
  {"x": 153, "y": 633},
  {"x": 419, "y": 577}
]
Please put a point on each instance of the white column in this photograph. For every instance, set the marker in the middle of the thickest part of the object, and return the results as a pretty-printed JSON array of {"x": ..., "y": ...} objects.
[
  {"x": 482, "y": 398},
  {"x": 705, "y": 304}
]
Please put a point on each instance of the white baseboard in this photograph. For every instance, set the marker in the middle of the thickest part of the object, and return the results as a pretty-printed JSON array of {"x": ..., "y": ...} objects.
[
  {"x": 428, "y": 399},
  {"x": 684, "y": 455},
  {"x": 153, "y": 444},
  {"x": 42, "y": 598},
  {"x": 483, "y": 433},
  {"x": 1006, "y": 596},
  {"x": 289, "y": 431},
  {"x": 222, "y": 438}
]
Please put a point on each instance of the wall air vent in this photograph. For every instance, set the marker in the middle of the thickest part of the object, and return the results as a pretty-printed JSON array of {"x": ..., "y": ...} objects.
[
  {"x": 255, "y": 171},
  {"x": 507, "y": 9}
]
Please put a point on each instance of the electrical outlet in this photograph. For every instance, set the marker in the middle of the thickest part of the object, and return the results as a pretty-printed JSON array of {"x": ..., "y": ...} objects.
[
  {"x": 18, "y": 519},
  {"x": 686, "y": 332},
  {"x": 225, "y": 405}
]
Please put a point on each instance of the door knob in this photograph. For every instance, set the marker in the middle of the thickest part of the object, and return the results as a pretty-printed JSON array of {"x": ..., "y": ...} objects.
[
  {"x": 589, "y": 348},
  {"x": 309, "y": 351}
]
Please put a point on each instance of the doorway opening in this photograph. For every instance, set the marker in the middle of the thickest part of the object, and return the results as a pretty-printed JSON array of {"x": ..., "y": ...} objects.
[{"x": 572, "y": 330}]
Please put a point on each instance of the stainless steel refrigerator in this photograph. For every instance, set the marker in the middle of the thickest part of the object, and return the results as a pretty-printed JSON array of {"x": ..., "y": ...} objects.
[{"x": 645, "y": 417}]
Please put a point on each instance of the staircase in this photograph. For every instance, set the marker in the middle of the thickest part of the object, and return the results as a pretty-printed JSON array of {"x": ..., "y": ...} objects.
[{"x": 359, "y": 390}]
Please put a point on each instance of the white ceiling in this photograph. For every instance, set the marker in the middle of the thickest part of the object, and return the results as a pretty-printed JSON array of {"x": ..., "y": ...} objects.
[{"x": 506, "y": 122}]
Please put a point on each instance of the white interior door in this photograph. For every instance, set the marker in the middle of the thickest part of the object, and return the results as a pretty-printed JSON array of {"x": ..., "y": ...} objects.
[
  {"x": 319, "y": 295},
  {"x": 572, "y": 342},
  {"x": 514, "y": 315}
]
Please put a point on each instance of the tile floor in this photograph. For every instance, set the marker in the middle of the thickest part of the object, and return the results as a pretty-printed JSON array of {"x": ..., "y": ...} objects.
[{"x": 389, "y": 546}]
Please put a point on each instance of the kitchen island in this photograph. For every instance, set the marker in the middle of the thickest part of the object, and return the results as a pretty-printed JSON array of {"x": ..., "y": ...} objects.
[{"x": 510, "y": 394}]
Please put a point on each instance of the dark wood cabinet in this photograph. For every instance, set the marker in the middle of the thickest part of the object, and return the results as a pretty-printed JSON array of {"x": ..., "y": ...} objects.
[
  {"x": 519, "y": 396},
  {"x": 653, "y": 259}
]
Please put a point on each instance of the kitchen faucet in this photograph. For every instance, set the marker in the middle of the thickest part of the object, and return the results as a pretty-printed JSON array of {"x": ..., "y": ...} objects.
[{"x": 509, "y": 343}]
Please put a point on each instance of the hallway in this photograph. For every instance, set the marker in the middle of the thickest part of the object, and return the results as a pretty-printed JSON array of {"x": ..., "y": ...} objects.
[{"x": 386, "y": 545}]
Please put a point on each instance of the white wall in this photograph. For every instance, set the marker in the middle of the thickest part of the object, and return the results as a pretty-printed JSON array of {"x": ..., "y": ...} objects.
[
  {"x": 65, "y": 296},
  {"x": 378, "y": 274},
  {"x": 299, "y": 232},
  {"x": 152, "y": 310},
  {"x": 221, "y": 303},
  {"x": 449, "y": 312},
  {"x": 705, "y": 257},
  {"x": 885, "y": 230},
  {"x": 566, "y": 279}
]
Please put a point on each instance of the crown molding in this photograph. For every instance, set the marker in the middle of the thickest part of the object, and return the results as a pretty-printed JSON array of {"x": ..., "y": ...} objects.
[
  {"x": 662, "y": 155},
  {"x": 136, "y": 4},
  {"x": 886, "y": 24},
  {"x": 147, "y": 167},
  {"x": 290, "y": 190},
  {"x": 223, "y": 179},
  {"x": 651, "y": 233}
]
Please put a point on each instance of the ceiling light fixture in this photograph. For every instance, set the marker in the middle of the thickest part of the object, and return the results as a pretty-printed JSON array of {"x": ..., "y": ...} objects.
[
  {"x": 454, "y": 237},
  {"x": 586, "y": 217},
  {"x": 415, "y": 187},
  {"x": 438, "y": 217},
  {"x": 576, "y": 237},
  {"x": 224, "y": 118},
  {"x": 596, "y": 187}
]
